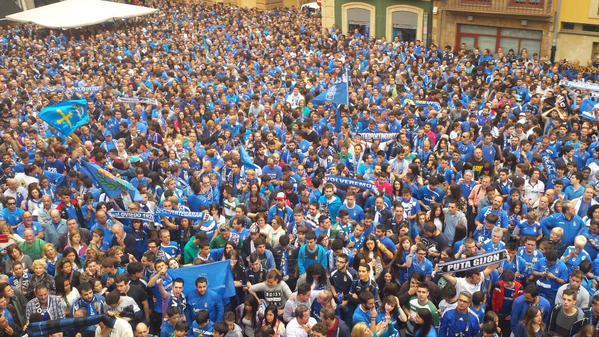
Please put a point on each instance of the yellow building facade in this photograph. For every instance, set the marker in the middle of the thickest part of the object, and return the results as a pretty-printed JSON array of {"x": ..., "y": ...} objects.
[
  {"x": 495, "y": 24},
  {"x": 578, "y": 37}
]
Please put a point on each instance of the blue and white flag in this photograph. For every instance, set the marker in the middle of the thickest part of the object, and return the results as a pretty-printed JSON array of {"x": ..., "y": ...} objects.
[
  {"x": 582, "y": 85},
  {"x": 144, "y": 216},
  {"x": 179, "y": 214},
  {"x": 344, "y": 181},
  {"x": 248, "y": 162},
  {"x": 66, "y": 117},
  {"x": 422, "y": 104},
  {"x": 588, "y": 109},
  {"x": 382, "y": 136},
  {"x": 159, "y": 213},
  {"x": 338, "y": 93},
  {"x": 112, "y": 185},
  {"x": 219, "y": 275}
]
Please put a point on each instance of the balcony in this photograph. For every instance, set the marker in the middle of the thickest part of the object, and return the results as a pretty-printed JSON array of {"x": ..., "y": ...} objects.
[{"x": 509, "y": 7}]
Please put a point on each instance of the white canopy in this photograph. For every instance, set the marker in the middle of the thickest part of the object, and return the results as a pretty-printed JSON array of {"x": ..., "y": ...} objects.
[
  {"x": 311, "y": 5},
  {"x": 79, "y": 13}
]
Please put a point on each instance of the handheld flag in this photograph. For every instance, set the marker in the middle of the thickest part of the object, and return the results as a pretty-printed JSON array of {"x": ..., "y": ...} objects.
[
  {"x": 219, "y": 276},
  {"x": 247, "y": 161},
  {"x": 112, "y": 186},
  {"x": 587, "y": 109},
  {"x": 337, "y": 94},
  {"x": 66, "y": 117}
]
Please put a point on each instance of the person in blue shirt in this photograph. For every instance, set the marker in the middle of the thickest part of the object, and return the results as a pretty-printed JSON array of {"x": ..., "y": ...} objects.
[
  {"x": 460, "y": 321},
  {"x": 496, "y": 208},
  {"x": 484, "y": 232},
  {"x": 568, "y": 220},
  {"x": 530, "y": 226},
  {"x": 280, "y": 209},
  {"x": 430, "y": 194},
  {"x": 202, "y": 326},
  {"x": 11, "y": 213},
  {"x": 575, "y": 255},
  {"x": 531, "y": 297},
  {"x": 366, "y": 311},
  {"x": 204, "y": 299},
  {"x": 355, "y": 211},
  {"x": 311, "y": 253},
  {"x": 513, "y": 262},
  {"x": 530, "y": 254},
  {"x": 575, "y": 190},
  {"x": 170, "y": 248},
  {"x": 272, "y": 170},
  {"x": 333, "y": 202},
  {"x": 420, "y": 263},
  {"x": 167, "y": 329},
  {"x": 551, "y": 274},
  {"x": 494, "y": 244}
]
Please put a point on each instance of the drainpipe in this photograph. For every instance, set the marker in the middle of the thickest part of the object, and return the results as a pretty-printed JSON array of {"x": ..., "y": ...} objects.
[{"x": 556, "y": 28}]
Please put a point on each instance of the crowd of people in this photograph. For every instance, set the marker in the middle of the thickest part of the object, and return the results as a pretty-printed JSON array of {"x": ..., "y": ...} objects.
[{"x": 499, "y": 157}]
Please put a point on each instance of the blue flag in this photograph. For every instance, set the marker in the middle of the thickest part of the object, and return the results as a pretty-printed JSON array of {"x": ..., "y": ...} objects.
[
  {"x": 247, "y": 161},
  {"x": 219, "y": 275},
  {"x": 586, "y": 109},
  {"x": 66, "y": 117},
  {"x": 337, "y": 94},
  {"x": 69, "y": 326},
  {"x": 54, "y": 178},
  {"x": 112, "y": 186}
]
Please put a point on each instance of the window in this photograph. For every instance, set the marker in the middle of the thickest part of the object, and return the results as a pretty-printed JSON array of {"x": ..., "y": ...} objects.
[
  {"x": 479, "y": 2},
  {"x": 530, "y": 3},
  {"x": 568, "y": 25},
  {"x": 590, "y": 28},
  {"x": 492, "y": 38},
  {"x": 595, "y": 50}
]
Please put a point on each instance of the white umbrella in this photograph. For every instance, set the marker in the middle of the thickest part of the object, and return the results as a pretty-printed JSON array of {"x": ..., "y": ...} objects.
[{"x": 79, "y": 13}]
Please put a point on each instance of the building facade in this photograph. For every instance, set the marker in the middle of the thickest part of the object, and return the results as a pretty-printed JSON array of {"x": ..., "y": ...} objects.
[
  {"x": 578, "y": 37},
  {"x": 495, "y": 24},
  {"x": 407, "y": 19}
]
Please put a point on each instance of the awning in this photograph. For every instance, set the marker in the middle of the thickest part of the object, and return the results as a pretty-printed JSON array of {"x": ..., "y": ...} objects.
[{"x": 79, "y": 13}]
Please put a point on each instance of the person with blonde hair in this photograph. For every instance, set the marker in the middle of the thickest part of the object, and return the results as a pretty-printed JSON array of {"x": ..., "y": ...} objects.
[
  {"x": 40, "y": 277},
  {"x": 575, "y": 255},
  {"x": 383, "y": 329}
]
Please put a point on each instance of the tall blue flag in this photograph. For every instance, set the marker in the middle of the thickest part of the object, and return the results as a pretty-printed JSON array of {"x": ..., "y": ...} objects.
[
  {"x": 337, "y": 94},
  {"x": 112, "y": 185},
  {"x": 66, "y": 117},
  {"x": 219, "y": 275}
]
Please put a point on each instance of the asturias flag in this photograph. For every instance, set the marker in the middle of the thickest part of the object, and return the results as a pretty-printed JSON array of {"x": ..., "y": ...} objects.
[
  {"x": 219, "y": 275},
  {"x": 112, "y": 186},
  {"x": 66, "y": 117}
]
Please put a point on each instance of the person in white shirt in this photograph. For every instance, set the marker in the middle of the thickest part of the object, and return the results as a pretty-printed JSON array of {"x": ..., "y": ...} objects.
[
  {"x": 534, "y": 189},
  {"x": 472, "y": 280},
  {"x": 295, "y": 98},
  {"x": 113, "y": 327},
  {"x": 302, "y": 324}
]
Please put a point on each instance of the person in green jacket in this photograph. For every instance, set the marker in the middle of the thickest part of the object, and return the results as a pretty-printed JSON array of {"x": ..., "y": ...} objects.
[{"x": 220, "y": 241}]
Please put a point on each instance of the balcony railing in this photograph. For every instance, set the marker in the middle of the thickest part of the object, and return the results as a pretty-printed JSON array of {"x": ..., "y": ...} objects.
[{"x": 511, "y": 7}]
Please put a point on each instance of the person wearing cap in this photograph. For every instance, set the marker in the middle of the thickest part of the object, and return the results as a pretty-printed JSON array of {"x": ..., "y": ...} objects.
[
  {"x": 109, "y": 143},
  {"x": 280, "y": 209}
]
